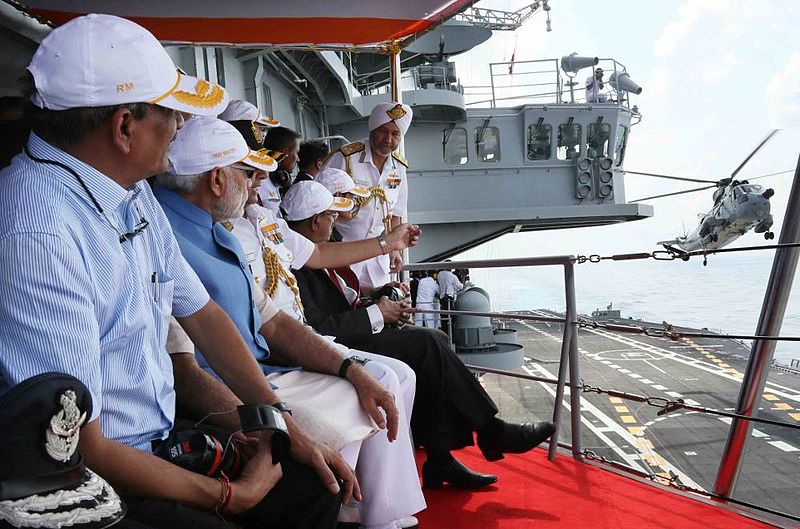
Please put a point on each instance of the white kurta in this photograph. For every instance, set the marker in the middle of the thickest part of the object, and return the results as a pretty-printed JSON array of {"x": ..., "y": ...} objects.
[
  {"x": 369, "y": 221},
  {"x": 386, "y": 471}
]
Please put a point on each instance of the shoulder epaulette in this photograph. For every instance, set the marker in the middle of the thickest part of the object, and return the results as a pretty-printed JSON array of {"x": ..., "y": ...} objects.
[
  {"x": 397, "y": 156},
  {"x": 352, "y": 148}
]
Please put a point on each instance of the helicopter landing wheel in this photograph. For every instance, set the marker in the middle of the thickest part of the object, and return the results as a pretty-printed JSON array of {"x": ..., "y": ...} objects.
[{"x": 769, "y": 235}]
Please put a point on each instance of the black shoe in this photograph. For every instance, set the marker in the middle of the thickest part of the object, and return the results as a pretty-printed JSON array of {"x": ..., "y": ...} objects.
[
  {"x": 514, "y": 439},
  {"x": 456, "y": 474}
]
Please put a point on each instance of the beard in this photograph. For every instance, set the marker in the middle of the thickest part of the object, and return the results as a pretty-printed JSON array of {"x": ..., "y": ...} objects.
[{"x": 231, "y": 206}]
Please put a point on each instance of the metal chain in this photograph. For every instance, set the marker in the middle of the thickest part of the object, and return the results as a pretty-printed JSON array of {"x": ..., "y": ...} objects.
[
  {"x": 667, "y": 330},
  {"x": 671, "y": 253},
  {"x": 667, "y": 406}
]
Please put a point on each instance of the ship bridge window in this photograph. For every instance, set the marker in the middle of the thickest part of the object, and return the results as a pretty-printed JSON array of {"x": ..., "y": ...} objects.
[
  {"x": 569, "y": 141},
  {"x": 487, "y": 144},
  {"x": 454, "y": 146},
  {"x": 620, "y": 144},
  {"x": 597, "y": 136},
  {"x": 540, "y": 145}
]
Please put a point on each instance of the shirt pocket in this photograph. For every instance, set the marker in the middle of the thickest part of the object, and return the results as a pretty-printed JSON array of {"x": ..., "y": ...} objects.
[{"x": 161, "y": 289}]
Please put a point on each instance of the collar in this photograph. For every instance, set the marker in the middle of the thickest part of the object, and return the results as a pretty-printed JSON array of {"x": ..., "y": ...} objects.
[
  {"x": 181, "y": 206},
  {"x": 108, "y": 193}
]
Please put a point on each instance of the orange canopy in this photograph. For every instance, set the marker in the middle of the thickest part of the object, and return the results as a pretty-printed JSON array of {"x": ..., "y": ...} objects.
[{"x": 265, "y": 23}]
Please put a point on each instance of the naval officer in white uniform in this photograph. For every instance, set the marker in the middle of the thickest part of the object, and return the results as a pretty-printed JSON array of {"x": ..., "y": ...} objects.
[{"x": 375, "y": 164}]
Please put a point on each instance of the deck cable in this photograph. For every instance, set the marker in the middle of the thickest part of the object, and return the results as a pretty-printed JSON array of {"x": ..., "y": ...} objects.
[
  {"x": 671, "y": 253},
  {"x": 665, "y": 330},
  {"x": 664, "y": 405}
]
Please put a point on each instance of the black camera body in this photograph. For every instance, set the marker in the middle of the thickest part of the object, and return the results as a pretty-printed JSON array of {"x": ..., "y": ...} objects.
[
  {"x": 393, "y": 293},
  {"x": 204, "y": 454}
]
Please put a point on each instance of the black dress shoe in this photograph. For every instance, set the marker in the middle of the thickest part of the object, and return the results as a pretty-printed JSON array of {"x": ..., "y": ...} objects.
[
  {"x": 456, "y": 474},
  {"x": 514, "y": 439}
]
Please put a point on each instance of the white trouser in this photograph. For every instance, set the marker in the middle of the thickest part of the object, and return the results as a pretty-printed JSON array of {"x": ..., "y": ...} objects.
[
  {"x": 426, "y": 318},
  {"x": 387, "y": 471}
]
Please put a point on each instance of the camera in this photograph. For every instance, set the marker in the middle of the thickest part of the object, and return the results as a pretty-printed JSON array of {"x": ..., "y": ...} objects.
[{"x": 393, "y": 293}]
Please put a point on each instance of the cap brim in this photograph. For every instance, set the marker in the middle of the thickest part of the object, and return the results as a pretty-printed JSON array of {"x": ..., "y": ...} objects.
[
  {"x": 341, "y": 204},
  {"x": 92, "y": 505},
  {"x": 260, "y": 160},
  {"x": 267, "y": 122},
  {"x": 360, "y": 191},
  {"x": 194, "y": 96}
]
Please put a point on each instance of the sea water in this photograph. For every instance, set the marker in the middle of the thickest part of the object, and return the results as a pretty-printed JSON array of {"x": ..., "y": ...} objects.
[{"x": 724, "y": 296}]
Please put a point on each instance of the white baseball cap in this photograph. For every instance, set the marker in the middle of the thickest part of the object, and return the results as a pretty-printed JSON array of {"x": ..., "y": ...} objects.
[
  {"x": 337, "y": 181},
  {"x": 308, "y": 198},
  {"x": 103, "y": 60},
  {"x": 205, "y": 143},
  {"x": 239, "y": 109}
]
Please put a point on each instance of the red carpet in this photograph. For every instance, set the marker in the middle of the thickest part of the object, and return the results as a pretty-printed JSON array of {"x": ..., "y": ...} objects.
[{"x": 534, "y": 492}]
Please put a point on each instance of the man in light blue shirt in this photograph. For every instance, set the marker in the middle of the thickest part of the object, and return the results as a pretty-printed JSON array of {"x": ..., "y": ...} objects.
[{"x": 92, "y": 272}]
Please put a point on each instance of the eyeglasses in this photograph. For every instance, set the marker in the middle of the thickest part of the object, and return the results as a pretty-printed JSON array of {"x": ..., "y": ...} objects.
[
  {"x": 137, "y": 230},
  {"x": 249, "y": 172}
]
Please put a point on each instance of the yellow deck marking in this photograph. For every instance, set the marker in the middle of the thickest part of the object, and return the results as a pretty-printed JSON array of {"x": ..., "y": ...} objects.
[
  {"x": 628, "y": 419},
  {"x": 795, "y": 416},
  {"x": 615, "y": 400},
  {"x": 770, "y": 396},
  {"x": 636, "y": 430},
  {"x": 782, "y": 406},
  {"x": 622, "y": 409}
]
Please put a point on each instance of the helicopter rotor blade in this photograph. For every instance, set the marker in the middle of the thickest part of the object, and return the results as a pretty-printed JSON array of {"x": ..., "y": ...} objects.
[
  {"x": 673, "y": 194},
  {"x": 758, "y": 148},
  {"x": 668, "y": 177}
]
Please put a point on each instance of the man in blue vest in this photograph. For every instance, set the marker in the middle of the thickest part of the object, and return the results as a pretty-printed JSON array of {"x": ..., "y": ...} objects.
[{"x": 207, "y": 183}]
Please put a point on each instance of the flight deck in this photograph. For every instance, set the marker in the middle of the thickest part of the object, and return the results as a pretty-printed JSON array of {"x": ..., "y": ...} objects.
[{"x": 685, "y": 446}]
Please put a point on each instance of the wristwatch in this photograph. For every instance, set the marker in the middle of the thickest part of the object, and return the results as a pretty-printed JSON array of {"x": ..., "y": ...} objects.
[
  {"x": 347, "y": 362},
  {"x": 384, "y": 244},
  {"x": 282, "y": 407}
]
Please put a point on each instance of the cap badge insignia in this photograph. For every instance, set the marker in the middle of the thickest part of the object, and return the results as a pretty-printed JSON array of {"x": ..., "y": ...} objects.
[
  {"x": 205, "y": 96},
  {"x": 258, "y": 132},
  {"x": 64, "y": 430},
  {"x": 396, "y": 112},
  {"x": 262, "y": 156}
]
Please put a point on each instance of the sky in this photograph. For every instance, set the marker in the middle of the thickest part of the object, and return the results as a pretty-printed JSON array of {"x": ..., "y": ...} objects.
[{"x": 717, "y": 76}]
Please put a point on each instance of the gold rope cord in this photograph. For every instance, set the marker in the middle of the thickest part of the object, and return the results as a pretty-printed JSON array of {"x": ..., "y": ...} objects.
[
  {"x": 379, "y": 193},
  {"x": 275, "y": 271}
]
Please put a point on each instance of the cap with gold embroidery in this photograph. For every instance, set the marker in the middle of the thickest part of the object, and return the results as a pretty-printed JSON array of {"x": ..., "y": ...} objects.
[
  {"x": 239, "y": 109},
  {"x": 205, "y": 143},
  {"x": 308, "y": 198},
  {"x": 337, "y": 181},
  {"x": 102, "y": 60},
  {"x": 398, "y": 113}
]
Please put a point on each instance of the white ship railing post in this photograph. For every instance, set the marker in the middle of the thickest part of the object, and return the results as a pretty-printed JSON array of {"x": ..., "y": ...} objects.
[
  {"x": 569, "y": 351},
  {"x": 769, "y": 324},
  {"x": 574, "y": 364}
]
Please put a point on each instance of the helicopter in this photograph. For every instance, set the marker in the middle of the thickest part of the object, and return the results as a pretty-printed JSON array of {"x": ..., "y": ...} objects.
[{"x": 739, "y": 206}]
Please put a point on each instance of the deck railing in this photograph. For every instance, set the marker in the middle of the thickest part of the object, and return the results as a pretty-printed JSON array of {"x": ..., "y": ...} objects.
[{"x": 753, "y": 382}]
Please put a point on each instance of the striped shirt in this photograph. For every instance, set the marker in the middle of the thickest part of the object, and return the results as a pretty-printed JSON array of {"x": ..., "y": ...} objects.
[{"x": 73, "y": 299}]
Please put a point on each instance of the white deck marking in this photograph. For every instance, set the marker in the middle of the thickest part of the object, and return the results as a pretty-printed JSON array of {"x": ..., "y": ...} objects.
[
  {"x": 674, "y": 394},
  {"x": 786, "y": 447},
  {"x": 759, "y": 433},
  {"x": 634, "y": 375},
  {"x": 659, "y": 387},
  {"x": 647, "y": 381},
  {"x": 626, "y": 436},
  {"x": 624, "y": 370}
]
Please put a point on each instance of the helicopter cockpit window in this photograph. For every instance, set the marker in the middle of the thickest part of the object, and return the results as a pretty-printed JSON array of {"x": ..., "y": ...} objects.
[
  {"x": 487, "y": 144},
  {"x": 597, "y": 140},
  {"x": 620, "y": 144},
  {"x": 539, "y": 143},
  {"x": 569, "y": 141},
  {"x": 454, "y": 146}
]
